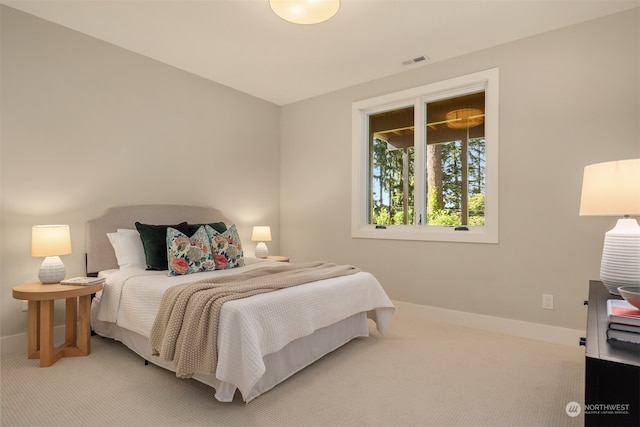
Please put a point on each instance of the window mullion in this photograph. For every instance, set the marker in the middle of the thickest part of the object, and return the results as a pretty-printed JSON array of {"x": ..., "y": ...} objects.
[
  {"x": 398, "y": 130},
  {"x": 419, "y": 138}
]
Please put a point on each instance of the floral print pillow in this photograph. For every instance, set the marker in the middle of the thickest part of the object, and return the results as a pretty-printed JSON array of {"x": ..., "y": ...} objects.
[
  {"x": 188, "y": 255},
  {"x": 226, "y": 248}
]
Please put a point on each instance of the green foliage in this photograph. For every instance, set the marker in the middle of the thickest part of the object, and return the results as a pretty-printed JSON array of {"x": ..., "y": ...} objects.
[
  {"x": 443, "y": 217},
  {"x": 387, "y": 193},
  {"x": 477, "y": 221},
  {"x": 452, "y": 171},
  {"x": 388, "y": 184},
  {"x": 432, "y": 203},
  {"x": 446, "y": 217},
  {"x": 382, "y": 217},
  {"x": 476, "y": 204}
]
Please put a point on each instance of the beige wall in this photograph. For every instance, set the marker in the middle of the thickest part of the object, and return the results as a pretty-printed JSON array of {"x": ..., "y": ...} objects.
[
  {"x": 87, "y": 125},
  {"x": 568, "y": 98}
]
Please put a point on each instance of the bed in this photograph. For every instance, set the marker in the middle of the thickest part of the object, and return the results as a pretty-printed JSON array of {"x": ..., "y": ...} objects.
[{"x": 261, "y": 340}]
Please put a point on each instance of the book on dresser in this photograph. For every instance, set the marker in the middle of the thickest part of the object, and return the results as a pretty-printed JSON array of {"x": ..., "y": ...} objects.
[
  {"x": 82, "y": 281},
  {"x": 624, "y": 321},
  {"x": 632, "y": 337}
]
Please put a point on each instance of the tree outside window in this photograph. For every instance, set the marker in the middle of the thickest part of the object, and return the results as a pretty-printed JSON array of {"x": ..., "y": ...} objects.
[
  {"x": 425, "y": 162},
  {"x": 455, "y": 163}
]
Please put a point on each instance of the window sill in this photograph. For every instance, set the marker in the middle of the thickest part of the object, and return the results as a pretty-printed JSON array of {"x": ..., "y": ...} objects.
[{"x": 426, "y": 233}]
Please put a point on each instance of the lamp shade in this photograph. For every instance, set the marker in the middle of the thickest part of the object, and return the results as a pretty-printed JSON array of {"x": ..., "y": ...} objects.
[
  {"x": 261, "y": 233},
  {"x": 305, "y": 11},
  {"x": 50, "y": 240},
  {"x": 611, "y": 188}
]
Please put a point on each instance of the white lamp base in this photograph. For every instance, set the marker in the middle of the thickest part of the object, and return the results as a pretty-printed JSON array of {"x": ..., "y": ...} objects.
[
  {"x": 52, "y": 270},
  {"x": 621, "y": 256},
  {"x": 261, "y": 250}
]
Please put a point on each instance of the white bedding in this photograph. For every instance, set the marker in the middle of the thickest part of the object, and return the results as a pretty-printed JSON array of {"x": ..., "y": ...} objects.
[{"x": 250, "y": 329}]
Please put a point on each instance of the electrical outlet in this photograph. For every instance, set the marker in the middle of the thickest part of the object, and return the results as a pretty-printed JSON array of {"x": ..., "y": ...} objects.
[
  {"x": 547, "y": 302},
  {"x": 25, "y": 305}
]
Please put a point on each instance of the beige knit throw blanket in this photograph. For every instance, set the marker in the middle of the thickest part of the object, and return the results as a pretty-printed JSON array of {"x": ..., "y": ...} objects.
[{"x": 186, "y": 326}]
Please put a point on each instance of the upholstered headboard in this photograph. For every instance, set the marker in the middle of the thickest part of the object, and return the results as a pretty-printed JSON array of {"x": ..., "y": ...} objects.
[{"x": 100, "y": 254}]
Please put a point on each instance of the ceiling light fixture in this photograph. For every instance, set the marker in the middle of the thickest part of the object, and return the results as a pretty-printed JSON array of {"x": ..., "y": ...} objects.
[
  {"x": 305, "y": 11},
  {"x": 464, "y": 118}
]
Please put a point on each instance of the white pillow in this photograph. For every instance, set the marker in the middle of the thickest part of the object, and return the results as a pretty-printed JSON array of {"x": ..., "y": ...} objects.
[{"x": 128, "y": 248}]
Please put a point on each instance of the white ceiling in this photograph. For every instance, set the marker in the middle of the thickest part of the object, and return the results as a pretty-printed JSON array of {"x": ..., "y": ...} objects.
[{"x": 243, "y": 45}]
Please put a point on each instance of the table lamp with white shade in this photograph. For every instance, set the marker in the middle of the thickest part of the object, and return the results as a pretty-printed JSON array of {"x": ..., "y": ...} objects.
[
  {"x": 261, "y": 234},
  {"x": 51, "y": 241},
  {"x": 613, "y": 189}
]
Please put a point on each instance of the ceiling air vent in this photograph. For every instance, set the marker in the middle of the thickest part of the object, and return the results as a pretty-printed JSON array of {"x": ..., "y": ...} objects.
[{"x": 415, "y": 60}]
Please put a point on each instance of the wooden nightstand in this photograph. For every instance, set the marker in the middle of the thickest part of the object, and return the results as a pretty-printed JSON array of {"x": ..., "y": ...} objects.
[
  {"x": 278, "y": 258},
  {"x": 40, "y": 320}
]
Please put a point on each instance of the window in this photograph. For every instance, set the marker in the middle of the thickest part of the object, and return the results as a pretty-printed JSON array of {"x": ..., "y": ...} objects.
[{"x": 425, "y": 162}]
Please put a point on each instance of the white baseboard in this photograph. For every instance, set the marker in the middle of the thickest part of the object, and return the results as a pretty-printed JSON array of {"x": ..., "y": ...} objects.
[
  {"x": 537, "y": 331},
  {"x": 18, "y": 343}
]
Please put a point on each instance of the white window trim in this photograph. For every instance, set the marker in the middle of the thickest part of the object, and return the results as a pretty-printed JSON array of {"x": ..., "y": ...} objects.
[{"x": 489, "y": 81}]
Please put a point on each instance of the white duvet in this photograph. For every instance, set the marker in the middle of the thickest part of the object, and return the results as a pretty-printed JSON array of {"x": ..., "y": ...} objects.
[{"x": 250, "y": 328}]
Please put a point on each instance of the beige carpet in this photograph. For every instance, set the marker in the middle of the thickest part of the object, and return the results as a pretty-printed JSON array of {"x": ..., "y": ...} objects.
[{"x": 420, "y": 373}]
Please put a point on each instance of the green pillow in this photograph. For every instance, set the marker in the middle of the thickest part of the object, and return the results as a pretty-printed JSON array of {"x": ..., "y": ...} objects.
[
  {"x": 154, "y": 241},
  {"x": 220, "y": 227}
]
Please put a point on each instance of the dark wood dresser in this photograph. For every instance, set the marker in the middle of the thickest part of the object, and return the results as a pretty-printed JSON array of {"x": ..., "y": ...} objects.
[{"x": 612, "y": 382}]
